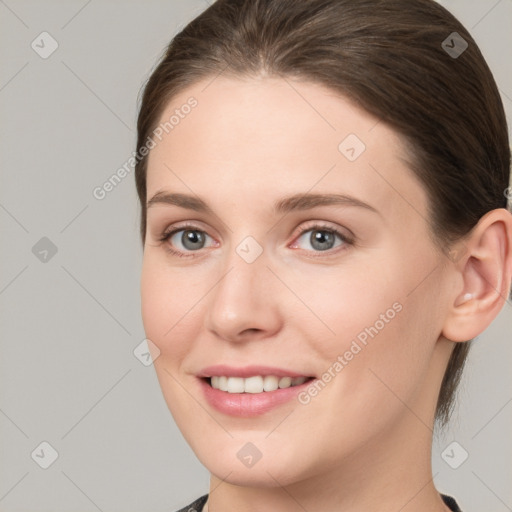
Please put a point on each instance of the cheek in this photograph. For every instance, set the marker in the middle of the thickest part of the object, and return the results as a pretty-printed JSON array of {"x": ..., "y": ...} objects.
[
  {"x": 168, "y": 298},
  {"x": 170, "y": 320},
  {"x": 377, "y": 337},
  {"x": 348, "y": 304},
  {"x": 154, "y": 303}
]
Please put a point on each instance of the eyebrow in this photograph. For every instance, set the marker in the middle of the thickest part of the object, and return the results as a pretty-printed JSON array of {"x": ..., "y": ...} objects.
[{"x": 295, "y": 202}]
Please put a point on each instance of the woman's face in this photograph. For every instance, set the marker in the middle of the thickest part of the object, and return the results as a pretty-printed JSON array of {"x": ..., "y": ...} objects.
[{"x": 302, "y": 250}]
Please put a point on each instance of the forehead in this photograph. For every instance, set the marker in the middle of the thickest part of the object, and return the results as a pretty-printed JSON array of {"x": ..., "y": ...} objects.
[{"x": 253, "y": 138}]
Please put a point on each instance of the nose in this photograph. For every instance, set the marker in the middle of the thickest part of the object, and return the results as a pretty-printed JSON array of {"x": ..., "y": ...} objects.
[{"x": 244, "y": 303}]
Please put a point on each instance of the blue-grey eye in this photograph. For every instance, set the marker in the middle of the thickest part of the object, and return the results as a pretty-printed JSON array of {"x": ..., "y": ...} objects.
[
  {"x": 190, "y": 239},
  {"x": 321, "y": 239}
]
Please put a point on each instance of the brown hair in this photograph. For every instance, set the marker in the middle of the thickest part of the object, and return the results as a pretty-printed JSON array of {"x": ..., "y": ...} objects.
[{"x": 392, "y": 58}]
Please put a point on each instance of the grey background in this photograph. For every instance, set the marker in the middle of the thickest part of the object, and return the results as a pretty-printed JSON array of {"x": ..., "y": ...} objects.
[{"x": 68, "y": 374}]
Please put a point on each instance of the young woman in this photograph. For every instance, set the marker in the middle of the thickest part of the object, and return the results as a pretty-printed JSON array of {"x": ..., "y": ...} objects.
[{"x": 324, "y": 189}]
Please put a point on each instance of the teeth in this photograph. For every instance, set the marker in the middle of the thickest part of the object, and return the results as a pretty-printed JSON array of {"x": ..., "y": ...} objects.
[
  {"x": 270, "y": 383},
  {"x": 285, "y": 382},
  {"x": 253, "y": 385},
  {"x": 223, "y": 383},
  {"x": 297, "y": 381},
  {"x": 235, "y": 385},
  {"x": 256, "y": 384}
]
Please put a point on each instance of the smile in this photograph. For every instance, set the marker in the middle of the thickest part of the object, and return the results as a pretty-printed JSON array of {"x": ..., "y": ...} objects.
[
  {"x": 255, "y": 384},
  {"x": 250, "y": 391}
]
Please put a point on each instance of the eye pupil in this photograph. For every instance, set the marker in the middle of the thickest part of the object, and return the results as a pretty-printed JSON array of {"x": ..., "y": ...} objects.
[
  {"x": 320, "y": 237},
  {"x": 192, "y": 239}
]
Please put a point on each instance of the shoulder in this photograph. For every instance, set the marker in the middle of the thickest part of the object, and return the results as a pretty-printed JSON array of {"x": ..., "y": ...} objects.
[
  {"x": 196, "y": 506},
  {"x": 451, "y": 503}
]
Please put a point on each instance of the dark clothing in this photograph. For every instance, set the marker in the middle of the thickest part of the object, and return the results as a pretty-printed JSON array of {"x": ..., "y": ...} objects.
[
  {"x": 198, "y": 505},
  {"x": 452, "y": 504}
]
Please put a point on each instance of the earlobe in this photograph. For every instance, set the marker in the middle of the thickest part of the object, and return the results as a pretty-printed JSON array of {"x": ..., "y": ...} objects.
[{"x": 486, "y": 272}]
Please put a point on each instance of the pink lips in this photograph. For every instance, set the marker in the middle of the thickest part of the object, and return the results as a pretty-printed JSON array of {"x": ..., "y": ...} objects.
[
  {"x": 246, "y": 371},
  {"x": 247, "y": 404}
]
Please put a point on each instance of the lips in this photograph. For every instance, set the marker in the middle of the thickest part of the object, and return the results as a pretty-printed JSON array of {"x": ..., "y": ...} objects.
[
  {"x": 251, "y": 390},
  {"x": 247, "y": 371}
]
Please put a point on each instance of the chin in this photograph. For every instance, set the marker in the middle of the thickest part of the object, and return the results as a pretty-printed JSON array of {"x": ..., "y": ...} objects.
[
  {"x": 261, "y": 475},
  {"x": 272, "y": 465}
]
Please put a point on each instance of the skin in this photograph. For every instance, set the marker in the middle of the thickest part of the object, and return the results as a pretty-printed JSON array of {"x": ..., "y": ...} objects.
[{"x": 363, "y": 443}]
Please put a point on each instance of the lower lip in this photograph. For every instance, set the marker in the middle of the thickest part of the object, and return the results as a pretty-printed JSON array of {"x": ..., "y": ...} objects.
[{"x": 249, "y": 404}]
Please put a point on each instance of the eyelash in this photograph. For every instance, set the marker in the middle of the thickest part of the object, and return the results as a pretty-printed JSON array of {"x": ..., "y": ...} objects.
[{"x": 166, "y": 235}]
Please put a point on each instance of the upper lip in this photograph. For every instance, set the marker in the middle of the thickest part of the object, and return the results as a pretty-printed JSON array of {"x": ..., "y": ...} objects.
[{"x": 222, "y": 370}]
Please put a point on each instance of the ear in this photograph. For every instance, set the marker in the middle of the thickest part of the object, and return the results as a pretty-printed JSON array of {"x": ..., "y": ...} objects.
[{"x": 485, "y": 266}]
